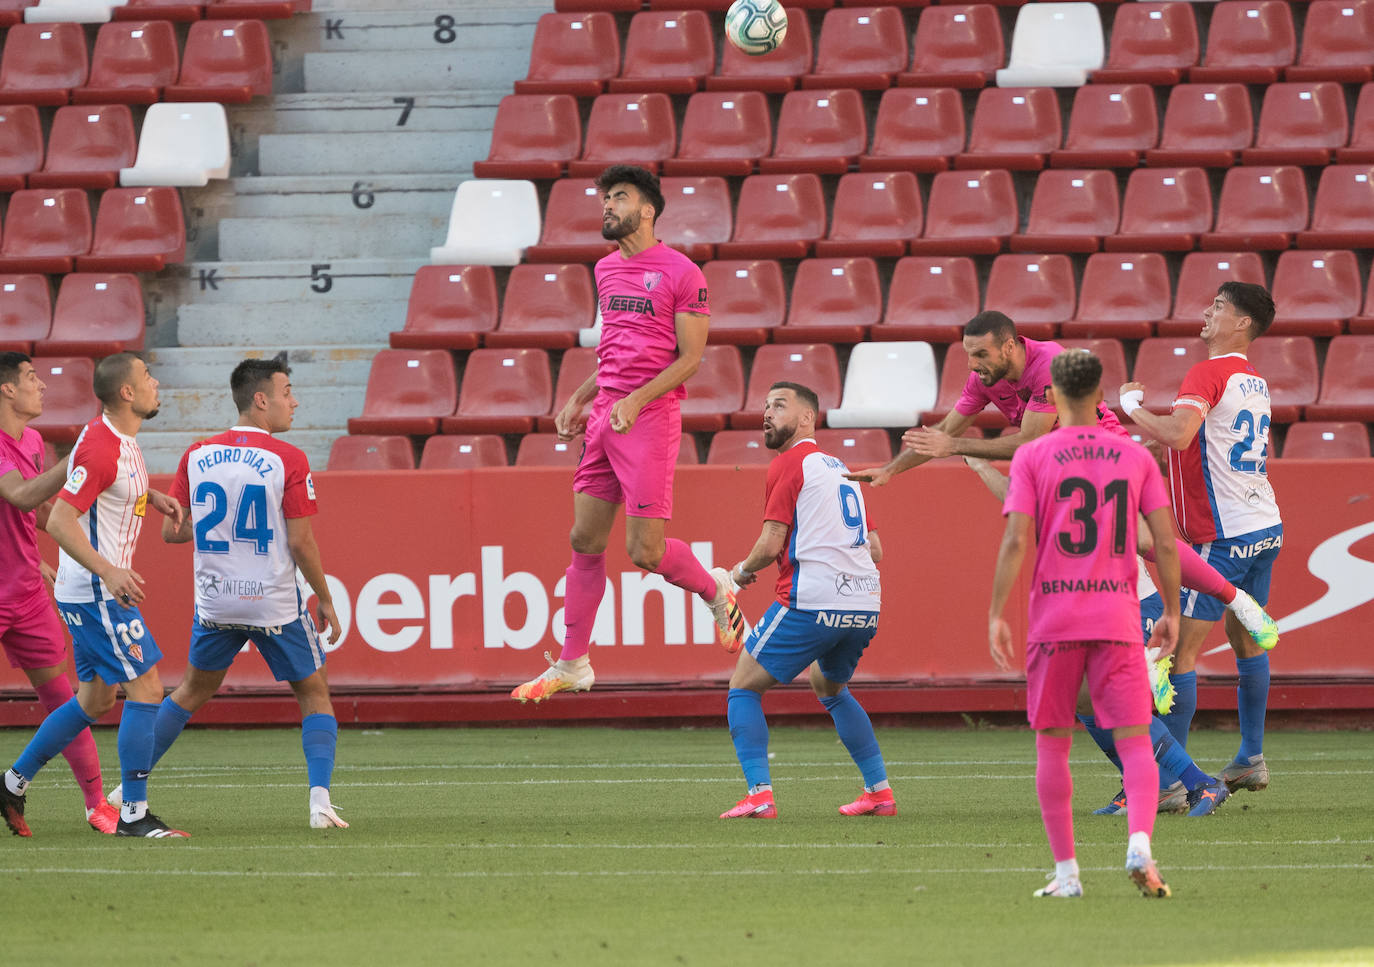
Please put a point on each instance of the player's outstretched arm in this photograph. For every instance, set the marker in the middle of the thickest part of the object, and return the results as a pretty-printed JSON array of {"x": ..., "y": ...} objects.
[
  {"x": 953, "y": 424},
  {"x": 772, "y": 540},
  {"x": 300, "y": 538},
  {"x": 933, "y": 443},
  {"x": 174, "y": 533},
  {"x": 1175, "y": 430},
  {"x": 1160, "y": 522},
  {"x": 30, "y": 494},
  {"x": 65, "y": 527},
  {"x": 691, "y": 329},
  {"x": 1015, "y": 540}
]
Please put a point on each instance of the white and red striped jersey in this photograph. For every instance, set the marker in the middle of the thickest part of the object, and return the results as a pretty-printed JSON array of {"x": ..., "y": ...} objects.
[
  {"x": 1218, "y": 484},
  {"x": 108, "y": 483},
  {"x": 242, "y": 485},
  {"x": 826, "y": 564}
]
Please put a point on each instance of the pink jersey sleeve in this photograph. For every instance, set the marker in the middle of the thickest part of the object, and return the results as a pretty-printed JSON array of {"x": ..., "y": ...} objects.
[
  {"x": 1021, "y": 488},
  {"x": 974, "y": 397},
  {"x": 691, "y": 291},
  {"x": 298, "y": 499},
  {"x": 1153, "y": 493},
  {"x": 93, "y": 467},
  {"x": 1202, "y": 387},
  {"x": 1036, "y": 377}
]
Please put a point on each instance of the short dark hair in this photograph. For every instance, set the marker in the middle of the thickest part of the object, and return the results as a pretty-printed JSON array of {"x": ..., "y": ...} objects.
[
  {"x": 249, "y": 375},
  {"x": 1250, "y": 300},
  {"x": 1076, "y": 373},
  {"x": 991, "y": 321},
  {"x": 9, "y": 365},
  {"x": 643, "y": 179},
  {"x": 804, "y": 393},
  {"x": 112, "y": 374}
]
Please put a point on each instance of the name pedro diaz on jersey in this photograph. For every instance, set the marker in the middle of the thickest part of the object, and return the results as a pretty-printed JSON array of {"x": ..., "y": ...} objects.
[{"x": 251, "y": 459}]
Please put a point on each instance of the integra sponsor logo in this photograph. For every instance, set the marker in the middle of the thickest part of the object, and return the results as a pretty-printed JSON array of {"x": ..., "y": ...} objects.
[
  {"x": 629, "y": 303},
  {"x": 846, "y": 619}
]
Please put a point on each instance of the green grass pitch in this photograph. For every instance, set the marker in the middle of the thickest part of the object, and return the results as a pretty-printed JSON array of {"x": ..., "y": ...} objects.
[{"x": 600, "y": 846}]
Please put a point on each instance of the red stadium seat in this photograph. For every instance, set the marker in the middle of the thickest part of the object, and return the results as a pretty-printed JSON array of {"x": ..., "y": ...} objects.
[
  {"x": 929, "y": 300},
  {"x": 1300, "y": 124},
  {"x": 258, "y": 9},
  {"x": 546, "y": 450},
  {"x": 576, "y": 365},
  {"x": 1363, "y": 324},
  {"x": 87, "y": 146},
  {"x": 865, "y": 447},
  {"x": 463, "y": 451},
  {"x": 748, "y": 300},
  {"x": 533, "y": 136},
  {"x": 1289, "y": 365},
  {"x": 572, "y": 224},
  {"x": 722, "y": 134},
  {"x": 21, "y": 145},
  {"x": 813, "y": 365},
  {"x": 1248, "y": 41},
  {"x": 1164, "y": 210},
  {"x": 617, "y": 6},
  {"x": 12, "y": 11},
  {"x": 1326, "y": 440},
  {"x": 42, "y": 62},
  {"x": 1121, "y": 296},
  {"x": 546, "y": 306},
  {"x": 69, "y": 401},
  {"x": 450, "y": 307},
  {"x": 627, "y": 129},
  {"x": 1198, "y": 280},
  {"x": 953, "y": 377},
  {"x": 96, "y": 315},
  {"x": 1315, "y": 292},
  {"x": 917, "y": 129},
  {"x": 1151, "y": 43},
  {"x": 1337, "y": 43},
  {"x": 45, "y": 229},
  {"x": 833, "y": 300},
  {"x": 715, "y": 390},
  {"x": 874, "y": 214},
  {"x": 225, "y": 60},
  {"x": 1161, "y": 363},
  {"x": 969, "y": 213},
  {"x": 572, "y": 53},
  {"x": 1361, "y": 147},
  {"x": 408, "y": 391},
  {"x": 371, "y": 452},
  {"x": 163, "y": 10},
  {"x": 1260, "y": 208},
  {"x": 25, "y": 312},
  {"x": 740, "y": 448},
  {"x": 860, "y": 47},
  {"x": 132, "y": 62},
  {"x": 1037, "y": 291},
  {"x": 1343, "y": 213},
  {"x": 136, "y": 230},
  {"x": 670, "y": 51},
  {"x": 820, "y": 131},
  {"x": 1347, "y": 381},
  {"x": 1110, "y": 126},
  {"x": 773, "y": 73},
  {"x": 698, "y": 215},
  {"x": 503, "y": 391},
  {"x": 1070, "y": 211},
  {"x": 778, "y": 216},
  {"x": 1113, "y": 358},
  {"x": 1013, "y": 127},
  {"x": 955, "y": 46},
  {"x": 1207, "y": 125}
]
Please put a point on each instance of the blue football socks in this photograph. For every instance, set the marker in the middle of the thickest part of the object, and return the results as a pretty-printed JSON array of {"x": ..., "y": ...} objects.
[
  {"x": 136, "y": 748},
  {"x": 1174, "y": 762},
  {"x": 856, "y": 732},
  {"x": 171, "y": 719},
  {"x": 1180, "y": 719},
  {"x": 749, "y": 732},
  {"x": 319, "y": 737},
  {"x": 1252, "y": 696},
  {"x": 63, "y": 724},
  {"x": 1103, "y": 738}
]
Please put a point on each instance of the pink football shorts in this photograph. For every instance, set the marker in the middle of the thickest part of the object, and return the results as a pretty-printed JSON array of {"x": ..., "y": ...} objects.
[
  {"x": 1117, "y": 680},
  {"x": 31, "y": 633},
  {"x": 634, "y": 468}
]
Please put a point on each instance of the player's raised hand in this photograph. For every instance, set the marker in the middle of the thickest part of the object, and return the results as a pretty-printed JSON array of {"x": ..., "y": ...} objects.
[
  {"x": 125, "y": 584},
  {"x": 624, "y": 413},
  {"x": 999, "y": 642},
  {"x": 877, "y": 476},
  {"x": 329, "y": 623},
  {"x": 49, "y": 575},
  {"x": 569, "y": 422},
  {"x": 928, "y": 442},
  {"x": 1165, "y": 634}
]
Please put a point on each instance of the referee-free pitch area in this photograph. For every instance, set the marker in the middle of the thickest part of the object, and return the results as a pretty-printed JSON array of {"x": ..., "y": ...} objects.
[{"x": 602, "y": 846}]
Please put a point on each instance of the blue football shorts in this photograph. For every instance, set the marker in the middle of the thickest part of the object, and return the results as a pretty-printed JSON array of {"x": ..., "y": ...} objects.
[
  {"x": 786, "y": 640},
  {"x": 1246, "y": 561},
  {"x": 109, "y": 640},
  {"x": 293, "y": 652}
]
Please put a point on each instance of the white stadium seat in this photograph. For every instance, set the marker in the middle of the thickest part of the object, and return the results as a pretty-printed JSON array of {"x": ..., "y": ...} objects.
[
  {"x": 71, "y": 11},
  {"x": 1054, "y": 45},
  {"x": 887, "y": 384},
  {"x": 492, "y": 223},
  {"x": 181, "y": 145}
]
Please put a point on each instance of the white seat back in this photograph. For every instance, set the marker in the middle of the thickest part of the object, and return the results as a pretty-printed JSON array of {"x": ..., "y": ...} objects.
[{"x": 887, "y": 384}]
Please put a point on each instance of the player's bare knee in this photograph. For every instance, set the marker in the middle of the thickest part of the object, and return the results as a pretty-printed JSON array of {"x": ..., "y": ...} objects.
[
  {"x": 584, "y": 542},
  {"x": 646, "y": 558}
]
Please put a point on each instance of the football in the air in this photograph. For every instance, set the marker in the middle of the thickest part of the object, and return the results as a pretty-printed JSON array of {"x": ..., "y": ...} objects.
[{"x": 756, "y": 26}]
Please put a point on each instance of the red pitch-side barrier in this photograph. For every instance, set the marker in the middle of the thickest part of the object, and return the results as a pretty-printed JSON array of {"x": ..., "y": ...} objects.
[{"x": 449, "y": 587}]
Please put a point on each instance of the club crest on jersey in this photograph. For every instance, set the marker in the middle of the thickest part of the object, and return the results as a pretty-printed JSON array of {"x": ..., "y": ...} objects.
[
  {"x": 309, "y": 487},
  {"x": 75, "y": 480},
  {"x": 652, "y": 279},
  {"x": 136, "y": 652}
]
